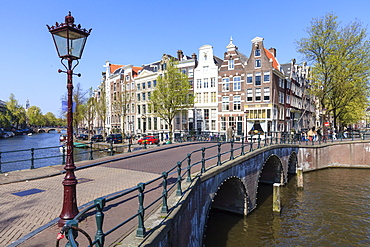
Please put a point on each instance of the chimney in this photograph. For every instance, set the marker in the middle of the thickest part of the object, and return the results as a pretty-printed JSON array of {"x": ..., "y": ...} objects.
[
  {"x": 179, "y": 55},
  {"x": 273, "y": 51},
  {"x": 194, "y": 56}
]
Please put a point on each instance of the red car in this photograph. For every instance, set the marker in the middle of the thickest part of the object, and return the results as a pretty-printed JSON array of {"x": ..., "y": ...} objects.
[{"x": 148, "y": 140}]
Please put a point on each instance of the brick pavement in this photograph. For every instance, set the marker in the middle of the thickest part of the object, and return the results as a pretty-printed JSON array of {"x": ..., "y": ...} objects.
[{"x": 38, "y": 213}]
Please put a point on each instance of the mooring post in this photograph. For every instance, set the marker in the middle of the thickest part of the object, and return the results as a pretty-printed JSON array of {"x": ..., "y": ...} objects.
[
  {"x": 276, "y": 198},
  {"x": 300, "y": 178}
]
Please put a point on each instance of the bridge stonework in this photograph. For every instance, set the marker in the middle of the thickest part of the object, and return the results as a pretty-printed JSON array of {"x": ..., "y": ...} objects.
[{"x": 233, "y": 186}]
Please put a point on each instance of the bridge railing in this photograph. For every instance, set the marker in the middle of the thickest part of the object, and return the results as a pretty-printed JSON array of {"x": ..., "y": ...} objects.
[{"x": 153, "y": 195}]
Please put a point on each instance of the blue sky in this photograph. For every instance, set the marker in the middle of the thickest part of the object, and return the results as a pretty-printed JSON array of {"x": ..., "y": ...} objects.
[{"x": 139, "y": 32}]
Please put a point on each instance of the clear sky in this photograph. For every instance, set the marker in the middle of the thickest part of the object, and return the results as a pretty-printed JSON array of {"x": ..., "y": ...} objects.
[{"x": 140, "y": 32}]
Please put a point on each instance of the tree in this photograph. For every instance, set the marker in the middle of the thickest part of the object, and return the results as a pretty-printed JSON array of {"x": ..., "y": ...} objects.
[
  {"x": 340, "y": 59},
  {"x": 35, "y": 116},
  {"x": 89, "y": 110},
  {"x": 15, "y": 113},
  {"x": 51, "y": 120},
  {"x": 171, "y": 95},
  {"x": 101, "y": 107}
]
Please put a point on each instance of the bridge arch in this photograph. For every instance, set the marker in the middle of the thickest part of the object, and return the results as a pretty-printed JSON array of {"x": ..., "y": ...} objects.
[
  {"x": 292, "y": 163},
  {"x": 272, "y": 171}
]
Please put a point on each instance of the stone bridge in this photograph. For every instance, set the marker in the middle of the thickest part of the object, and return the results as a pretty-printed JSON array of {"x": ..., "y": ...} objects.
[
  {"x": 234, "y": 187},
  {"x": 48, "y": 129}
]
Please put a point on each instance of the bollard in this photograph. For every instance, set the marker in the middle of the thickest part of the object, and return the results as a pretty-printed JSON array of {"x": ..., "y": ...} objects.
[
  {"x": 203, "y": 169},
  {"x": 300, "y": 178},
  {"x": 276, "y": 198},
  {"x": 219, "y": 154}
]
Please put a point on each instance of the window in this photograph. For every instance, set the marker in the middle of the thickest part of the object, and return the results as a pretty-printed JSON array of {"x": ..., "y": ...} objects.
[
  {"x": 237, "y": 99},
  {"x": 144, "y": 109},
  {"x": 205, "y": 80},
  {"x": 138, "y": 97},
  {"x": 213, "y": 125},
  {"x": 148, "y": 95},
  {"x": 257, "y": 80},
  {"x": 231, "y": 64},
  {"x": 249, "y": 94},
  {"x": 138, "y": 109},
  {"x": 206, "y": 113},
  {"x": 199, "y": 98},
  {"x": 237, "y": 83},
  {"x": 191, "y": 72},
  {"x": 138, "y": 86},
  {"x": 281, "y": 98},
  {"x": 213, "y": 113},
  {"x": 206, "y": 97},
  {"x": 127, "y": 77},
  {"x": 143, "y": 85},
  {"x": 132, "y": 108},
  {"x": 183, "y": 71},
  {"x": 223, "y": 123},
  {"x": 213, "y": 82},
  {"x": 281, "y": 83},
  {"x": 266, "y": 94},
  {"x": 199, "y": 83},
  {"x": 249, "y": 78},
  {"x": 257, "y": 53},
  {"x": 191, "y": 83},
  {"x": 257, "y": 63},
  {"x": 132, "y": 86},
  {"x": 154, "y": 83},
  {"x": 225, "y": 103},
  {"x": 205, "y": 68},
  {"x": 143, "y": 96},
  {"x": 266, "y": 76},
  {"x": 225, "y": 84},
  {"x": 213, "y": 97},
  {"x": 205, "y": 56},
  {"x": 149, "y": 84},
  {"x": 258, "y": 94}
]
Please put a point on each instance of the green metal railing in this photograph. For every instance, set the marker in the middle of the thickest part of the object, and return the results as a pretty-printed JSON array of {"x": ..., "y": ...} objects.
[{"x": 176, "y": 180}]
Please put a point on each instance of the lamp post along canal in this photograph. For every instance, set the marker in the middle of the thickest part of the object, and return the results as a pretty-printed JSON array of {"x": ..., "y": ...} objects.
[{"x": 69, "y": 40}]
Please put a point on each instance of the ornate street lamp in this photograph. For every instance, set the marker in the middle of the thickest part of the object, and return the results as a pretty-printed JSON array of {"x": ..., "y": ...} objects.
[
  {"x": 246, "y": 112},
  {"x": 69, "y": 40}
]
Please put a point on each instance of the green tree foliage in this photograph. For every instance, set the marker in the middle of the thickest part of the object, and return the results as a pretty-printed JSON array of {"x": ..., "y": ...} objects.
[
  {"x": 89, "y": 110},
  {"x": 171, "y": 95},
  {"x": 101, "y": 107},
  {"x": 15, "y": 114},
  {"x": 340, "y": 58},
  {"x": 35, "y": 117},
  {"x": 51, "y": 120}
]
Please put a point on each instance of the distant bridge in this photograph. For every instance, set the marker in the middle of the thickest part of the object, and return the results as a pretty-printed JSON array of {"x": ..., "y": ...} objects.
[{"x": 48, "y": 129}]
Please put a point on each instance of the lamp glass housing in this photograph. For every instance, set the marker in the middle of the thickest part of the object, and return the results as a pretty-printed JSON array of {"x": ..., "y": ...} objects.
[{"x": 69, "y": 42}]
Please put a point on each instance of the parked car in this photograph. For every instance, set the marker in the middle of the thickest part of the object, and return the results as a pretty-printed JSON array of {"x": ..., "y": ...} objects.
[
  {"x": 82, "y": 137},
  {"x": 148, "y": 140},
  {"x": 97, "y": 138},
  {"x": 115, "y": 138}
]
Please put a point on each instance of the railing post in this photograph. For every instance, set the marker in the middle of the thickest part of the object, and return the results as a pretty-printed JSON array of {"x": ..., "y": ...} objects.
[
  {"x": 219, "y": 154},
  {"x": 1, "y": 171},
  {"x": 91, "y": 151},
  {"x": 203, "y": 160},
  {"x": 32, "y": 158},
  {"x": 71, "y": 241},
  {"x": 259, "y": 141},
  {"x": 188, "y": 179},
  {"x": 231, "y": 149},
  {"x": 99, "y": 218},
  {"x": 164, "y": 193},
  {"x": 178, "y": 191},
  {"x": 251, "y": 146},
  {"x": 242, "y": 153},
  {"x": 111, "y": 148},
  {"x": 63, "y": 155},
  {"x": 265, "y": 140},
  {"x": 140, "y": 232}
]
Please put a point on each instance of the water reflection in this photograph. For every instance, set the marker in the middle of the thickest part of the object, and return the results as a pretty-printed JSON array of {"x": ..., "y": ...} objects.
[{"x": 332, "y": 210}]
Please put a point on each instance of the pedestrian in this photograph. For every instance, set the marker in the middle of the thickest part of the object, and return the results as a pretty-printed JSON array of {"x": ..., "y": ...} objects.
[{"x": 230, "y": 133}]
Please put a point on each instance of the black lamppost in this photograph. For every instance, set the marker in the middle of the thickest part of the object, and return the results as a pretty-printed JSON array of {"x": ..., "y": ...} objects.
[
  {"x": 69, "y": 40},
  {"x": 246, "y": 112}
]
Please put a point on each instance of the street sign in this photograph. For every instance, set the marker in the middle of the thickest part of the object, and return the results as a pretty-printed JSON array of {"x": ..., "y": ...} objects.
[{"x": 326, "y": 124}]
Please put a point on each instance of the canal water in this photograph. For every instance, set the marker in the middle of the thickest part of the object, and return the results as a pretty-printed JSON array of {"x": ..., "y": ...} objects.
[
  {"x": 333, "y": 209},
  {"x": 48, "y": 151}
]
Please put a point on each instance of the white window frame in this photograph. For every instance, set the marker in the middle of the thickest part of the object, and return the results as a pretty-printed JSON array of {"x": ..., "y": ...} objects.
[
  {"x": 264, "y": 77},
  {"x": 225, "y": 84},
  {"x": 257, "y": 63},
  {"x": 237, "y": 83},
  {"x": 225, "y": 103}
]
